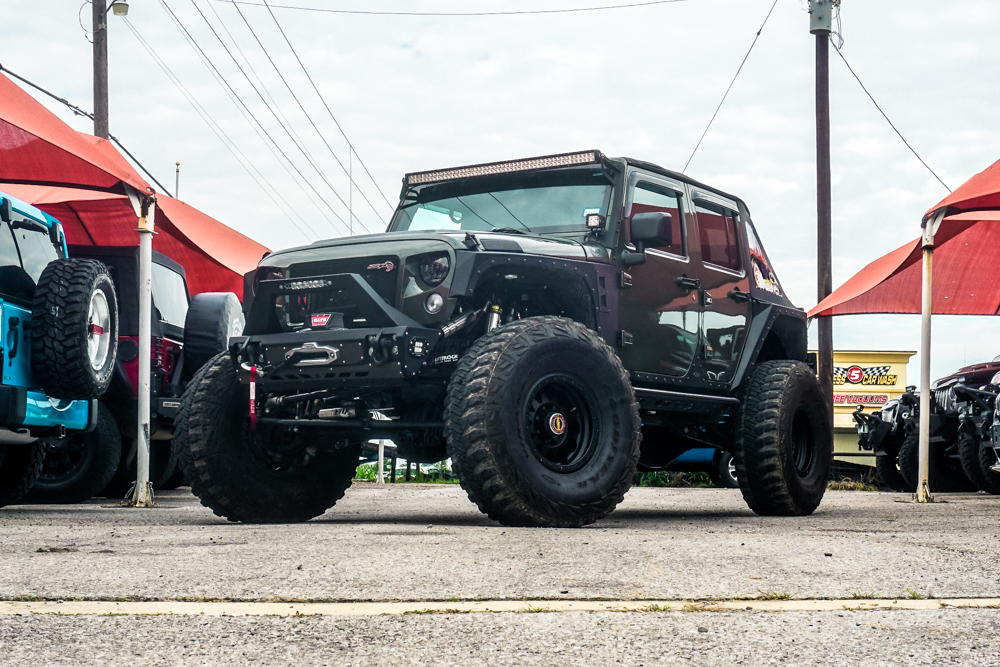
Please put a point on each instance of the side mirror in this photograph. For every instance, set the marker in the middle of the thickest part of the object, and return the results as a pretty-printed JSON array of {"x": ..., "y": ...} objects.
[{"x": 655, "y": 229}]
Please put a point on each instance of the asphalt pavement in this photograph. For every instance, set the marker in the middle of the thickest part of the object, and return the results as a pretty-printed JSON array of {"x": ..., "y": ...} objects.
[{"x": 428, "y": 543}]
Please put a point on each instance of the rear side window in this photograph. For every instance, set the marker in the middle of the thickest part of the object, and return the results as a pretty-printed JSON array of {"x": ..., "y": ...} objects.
[
  {"x": 36, "y": 251},
  {"x": 649, "y": 198},
  {"x": 169, "y": 295},
  {"x": 717, "y": 230},
  {"x": 14, "y": 282}
]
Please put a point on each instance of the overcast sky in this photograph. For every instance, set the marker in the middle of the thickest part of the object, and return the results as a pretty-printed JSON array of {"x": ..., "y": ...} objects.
[{"x": 421, "y": 92}]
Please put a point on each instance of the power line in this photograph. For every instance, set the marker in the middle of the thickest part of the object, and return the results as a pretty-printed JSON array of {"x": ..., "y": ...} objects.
[
  {"x": 510, "y": 13},
  {"x": 309, "y": 118},
  {"x": 721, "y": 102},
  {"x": 327, "y": 107},
  {"x": 220, "y": 133},
  {"x": 898, "y": 133},
  {"x": 208, "y": 61},
  {"x": 80, "y": 112}
]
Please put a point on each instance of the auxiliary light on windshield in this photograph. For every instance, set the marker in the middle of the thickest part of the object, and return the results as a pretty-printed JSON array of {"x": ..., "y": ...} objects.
[{"x": 529, "y": 164}]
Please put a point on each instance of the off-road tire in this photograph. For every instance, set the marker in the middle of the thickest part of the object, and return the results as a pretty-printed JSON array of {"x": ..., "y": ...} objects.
[
  {"x": 212, "y": 319},
  {"x": 175, "y": 480},
  {"x": 127, "y": 471},
  {"x": 60, "y": 329},
  {"x": 229, "y": 478},
  {"x": 20, "y": 466},
  {"x": 101, "y": 451},
  {"x": 887, "y": 474},
  {"x": 782, "y": 401},
  {"x": 969, "y": 455},
  {"x": 987, "y": 459},
  {"x": 488, "y": 434},
  {"x": 942, "y": 477}
]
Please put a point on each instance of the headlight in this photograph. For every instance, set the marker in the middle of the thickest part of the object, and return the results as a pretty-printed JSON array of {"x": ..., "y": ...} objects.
[
  {"x": 434, "y": 303},
  {"x": 267, "y": 273},
  {"x": 434, "y": 269},
  {"x": 995, "y": 380}
]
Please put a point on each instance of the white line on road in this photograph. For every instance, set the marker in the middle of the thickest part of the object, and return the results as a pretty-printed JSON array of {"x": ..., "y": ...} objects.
[{"x": 226, "y": 608}]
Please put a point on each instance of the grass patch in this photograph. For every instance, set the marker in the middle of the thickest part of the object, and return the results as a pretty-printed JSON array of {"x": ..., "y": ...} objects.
[
  {"x": 674, "y": 480},
  {"x": 529, "y": 609},
  {"x": 656, "y": 607},
  {"x": 848, "y": 484},
  {"x": 862, "y": 596},
  {"x": 913, "y": 595},
  {"x": 774, "y": 595},
  {"x": 438, "y": 473}
]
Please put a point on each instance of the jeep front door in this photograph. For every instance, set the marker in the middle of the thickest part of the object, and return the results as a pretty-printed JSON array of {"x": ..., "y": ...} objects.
[
  {"x": 725, "y": 286},
  {"x": 658, "y": 308}
]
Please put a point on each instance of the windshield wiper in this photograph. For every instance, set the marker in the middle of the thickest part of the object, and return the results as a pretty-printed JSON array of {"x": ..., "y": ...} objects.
[{"x": 509, "y": 230}]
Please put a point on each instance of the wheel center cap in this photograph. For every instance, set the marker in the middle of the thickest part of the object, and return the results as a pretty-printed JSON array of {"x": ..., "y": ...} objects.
[{"x": 557, "y": 423}]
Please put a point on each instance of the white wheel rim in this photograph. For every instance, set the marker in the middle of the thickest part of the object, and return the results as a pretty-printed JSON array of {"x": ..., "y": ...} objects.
[
  {"x": 98, "y": 330},
  {"x": 732, "y": 468}
]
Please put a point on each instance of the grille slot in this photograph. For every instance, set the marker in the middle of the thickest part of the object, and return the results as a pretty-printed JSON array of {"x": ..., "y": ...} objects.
[{"x": 384, "y": 282}]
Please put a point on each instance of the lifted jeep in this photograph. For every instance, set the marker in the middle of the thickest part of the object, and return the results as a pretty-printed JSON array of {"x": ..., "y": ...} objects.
[{"x": 550, "y": 324}]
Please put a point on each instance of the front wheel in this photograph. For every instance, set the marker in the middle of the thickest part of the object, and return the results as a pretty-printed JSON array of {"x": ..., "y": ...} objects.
[
  {"x": 723, "y": 471},
  {"x": 263, "y": 475},
  {"x": 784, "y": 443},
  {"x": 542, "y": 424},
  {"x": 975, "y": 465}
]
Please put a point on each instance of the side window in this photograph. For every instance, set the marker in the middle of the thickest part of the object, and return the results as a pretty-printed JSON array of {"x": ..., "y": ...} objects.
[
  {"x": 763, "y": 274},
  {"x": 717, "y": 230},
  {"x": 169, "y": 295},
  {"x": 14, "y": 282},
  {"x": 649, "y": 198},
  {"x": 36, "y": 251}
]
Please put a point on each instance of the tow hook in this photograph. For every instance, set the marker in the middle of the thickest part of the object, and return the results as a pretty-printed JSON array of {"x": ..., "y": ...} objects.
[{"x": 382, "y": 350}]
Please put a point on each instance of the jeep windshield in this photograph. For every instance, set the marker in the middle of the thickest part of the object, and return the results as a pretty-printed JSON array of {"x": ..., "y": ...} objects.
[{"x": 549, "y": 202}]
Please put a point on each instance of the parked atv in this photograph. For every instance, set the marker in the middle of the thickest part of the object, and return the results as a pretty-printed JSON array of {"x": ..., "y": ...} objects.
[
  {"x": 185, "y": 332},
  {"x": 550, "y": 324},
  {"x": 58, "y": 343}
]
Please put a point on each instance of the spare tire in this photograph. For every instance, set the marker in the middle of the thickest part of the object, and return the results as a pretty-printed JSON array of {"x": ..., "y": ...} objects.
[
  {"x": 20, "y": 466},
  {"x": 212, "y": 319},
  {"x": 74, "y": 329}
]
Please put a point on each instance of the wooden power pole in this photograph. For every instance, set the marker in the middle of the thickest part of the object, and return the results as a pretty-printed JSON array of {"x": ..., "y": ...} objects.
[
  {"x": 100, "y": 68},
  {"x": 821, "y": 24}
]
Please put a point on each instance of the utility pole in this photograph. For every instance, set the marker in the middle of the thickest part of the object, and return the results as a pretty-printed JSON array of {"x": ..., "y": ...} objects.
[
  {"x": 821, "y": 24},
  {"x": 100, "y": 68}
]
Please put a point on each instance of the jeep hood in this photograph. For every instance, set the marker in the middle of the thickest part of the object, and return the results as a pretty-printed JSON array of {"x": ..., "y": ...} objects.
[{"x": 410, "y": 243}]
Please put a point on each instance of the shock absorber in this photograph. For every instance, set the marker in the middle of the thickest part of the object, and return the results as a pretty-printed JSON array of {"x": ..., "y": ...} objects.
[{"x": 493, "y": 319}]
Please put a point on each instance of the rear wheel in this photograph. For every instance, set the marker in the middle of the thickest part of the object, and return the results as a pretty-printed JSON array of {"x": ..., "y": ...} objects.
[
  {"x": 263, "y": 475},
  {"x": 723, "y": 470},
  {"x": 888, "y": 475},
  {"x": 542, "y": 424},
  {"x": 74, "y": 329},
  {"x": 20, "y": 466},
  {"x": 943, "y": 474},
  {"x": 970, "y": 454},
  {"x": 79, "y": 466},
  {"x": 783, "y": 440}
]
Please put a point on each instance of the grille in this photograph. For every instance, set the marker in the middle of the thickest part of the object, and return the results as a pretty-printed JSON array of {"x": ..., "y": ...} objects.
[{"x": 385, "y": 283}]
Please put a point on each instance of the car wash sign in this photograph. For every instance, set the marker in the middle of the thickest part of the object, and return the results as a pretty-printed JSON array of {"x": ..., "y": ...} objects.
[{"x": 873, "y": 376}]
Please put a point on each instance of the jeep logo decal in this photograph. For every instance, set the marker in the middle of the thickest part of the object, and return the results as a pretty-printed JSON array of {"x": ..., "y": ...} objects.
[{"x": 388, "y": 266}]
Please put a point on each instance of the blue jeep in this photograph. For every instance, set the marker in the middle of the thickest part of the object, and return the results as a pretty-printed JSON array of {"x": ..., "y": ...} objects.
[{"x": 58, "y": 342}]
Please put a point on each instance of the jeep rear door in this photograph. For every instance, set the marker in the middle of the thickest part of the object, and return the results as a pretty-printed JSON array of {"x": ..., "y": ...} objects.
[
  {"x": 725, "y": 284},
  {"x": 659, "y": 315}
]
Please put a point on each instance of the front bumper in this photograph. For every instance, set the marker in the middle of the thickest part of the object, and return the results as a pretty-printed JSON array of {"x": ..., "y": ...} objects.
[{"x": 340, "y": 357}]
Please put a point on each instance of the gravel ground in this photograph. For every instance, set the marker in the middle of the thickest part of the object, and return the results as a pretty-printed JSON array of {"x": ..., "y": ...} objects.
[
  {"x": 427, "y": 542},
  {"x": 964, "y": 637}
]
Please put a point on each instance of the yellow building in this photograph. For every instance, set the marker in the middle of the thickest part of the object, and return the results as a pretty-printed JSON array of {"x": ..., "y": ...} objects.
[{"x": 867, "y": 378}]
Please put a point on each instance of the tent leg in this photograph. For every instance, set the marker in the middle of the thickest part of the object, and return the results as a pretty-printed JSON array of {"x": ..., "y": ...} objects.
[
  {"x": 143, "y": 494},
  {"x": 923, "y": 494}
]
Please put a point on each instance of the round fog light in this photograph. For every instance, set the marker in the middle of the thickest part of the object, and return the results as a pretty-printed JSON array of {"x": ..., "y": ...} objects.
[{"x": 434, "y": 303}]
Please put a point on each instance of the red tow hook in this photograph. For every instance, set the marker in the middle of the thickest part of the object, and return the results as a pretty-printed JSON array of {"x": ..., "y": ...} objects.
[
  {"x": 95, "y": 329},
  {"x": 253, "y": 397}
]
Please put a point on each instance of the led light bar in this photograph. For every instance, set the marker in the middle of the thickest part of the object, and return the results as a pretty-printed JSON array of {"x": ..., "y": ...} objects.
[
  {"x": 529, "y": 164},
  {"x": 306, "y": 284}
]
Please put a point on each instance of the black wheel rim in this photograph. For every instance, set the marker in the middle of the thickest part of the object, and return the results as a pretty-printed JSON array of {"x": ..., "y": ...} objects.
[
  {"x": 62, "y": 460},
  {"x": 280, "y": 450},
  {"x": 560, "y": 422},
  {"x": 802, "y": 443}
]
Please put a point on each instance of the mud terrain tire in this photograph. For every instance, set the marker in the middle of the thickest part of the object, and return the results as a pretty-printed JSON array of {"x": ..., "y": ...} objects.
[
  {"x": 970, "y": 456},
  {"x": 888, "y": 476},
  {"x": 226, "y": 464},
  {"x": 212, "y": 319},
  {"x": 784, "y": 445},
  {"x": 70, "y": 358},
  {"x": 517, "y": 381},
  {"x": 20, "y": 466},
  {"x": 942, "y": 477},
  {"x": 80, "y": 468}
]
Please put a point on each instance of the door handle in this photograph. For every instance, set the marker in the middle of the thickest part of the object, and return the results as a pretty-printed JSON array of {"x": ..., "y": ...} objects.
[
  {"x": 688, "y": 283},
  {"x": 12, "y": 327},
  {"x": 736, "y": 295}
]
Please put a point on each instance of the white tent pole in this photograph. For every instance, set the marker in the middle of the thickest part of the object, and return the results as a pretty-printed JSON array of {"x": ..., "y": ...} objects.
[
  {"x": 143, "y": 494},
  {"x": 927, "y": 249}
]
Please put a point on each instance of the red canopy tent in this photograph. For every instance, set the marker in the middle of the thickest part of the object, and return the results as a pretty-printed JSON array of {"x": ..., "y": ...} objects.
[
  {"x": 962, "y": 228},
  {"x": 39, "y": 150}
]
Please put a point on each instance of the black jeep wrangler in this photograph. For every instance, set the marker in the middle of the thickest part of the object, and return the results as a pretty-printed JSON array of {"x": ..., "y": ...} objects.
[{"x": 549, "y": 324}]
